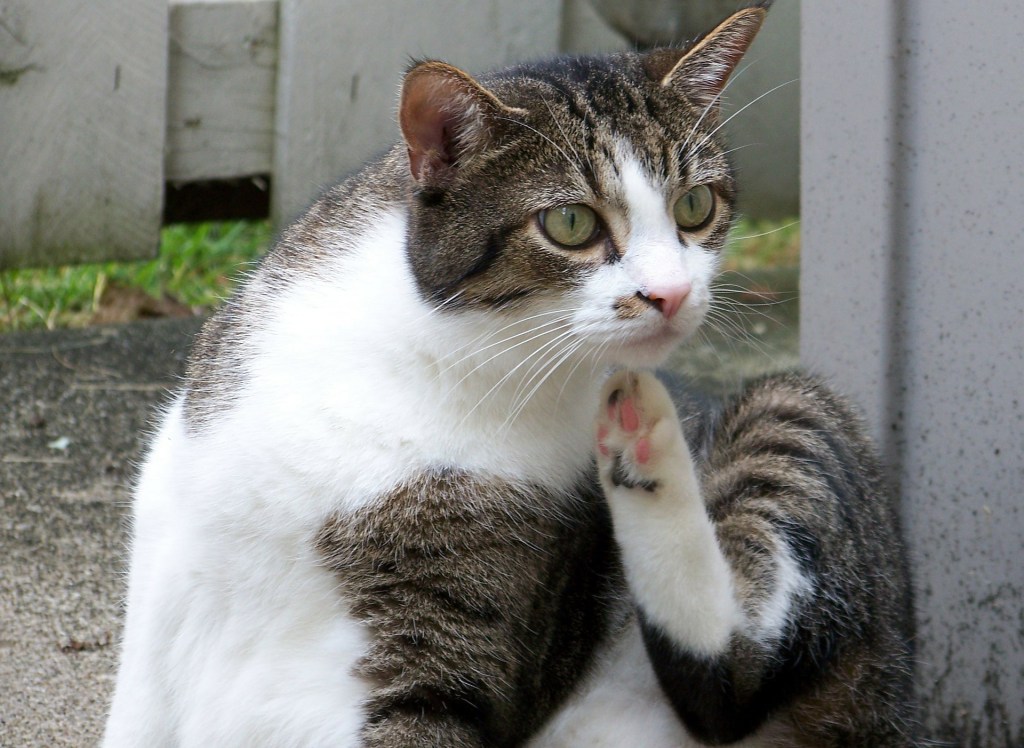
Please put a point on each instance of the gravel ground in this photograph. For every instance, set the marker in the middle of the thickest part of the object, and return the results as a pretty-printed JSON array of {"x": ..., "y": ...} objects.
[{"x": 74, "y": 408}]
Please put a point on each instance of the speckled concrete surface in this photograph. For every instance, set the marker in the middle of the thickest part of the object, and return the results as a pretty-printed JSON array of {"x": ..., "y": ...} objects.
[
  {"x": 73, "y": 405},
  {"x": 74, "y": 408}
]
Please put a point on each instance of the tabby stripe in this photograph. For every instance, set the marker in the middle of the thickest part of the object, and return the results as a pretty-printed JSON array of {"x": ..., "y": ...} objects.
[
  {"x": 505, "y": 299},
  {"x": 493, "y": 249},
  {"x": 463, "y": 705},
  {"x": 578, "y": 112},
  {"x": 809, "y": 450},
  {"x": 759, "y": 475}
]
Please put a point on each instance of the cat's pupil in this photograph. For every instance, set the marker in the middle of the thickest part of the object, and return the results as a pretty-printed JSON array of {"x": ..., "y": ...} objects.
[
  {"x": 694, "y": 208},
  {"x": 570, "y": 225}
]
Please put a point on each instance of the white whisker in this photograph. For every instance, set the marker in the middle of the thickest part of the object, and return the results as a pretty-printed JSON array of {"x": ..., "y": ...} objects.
[
  {"x": 481, "y": 338},
  {"x": 733, "y": 331},
  {"x": 530, "y": 374},
  {"x": 739, "y": 111},
  {"x": 437, "y": 307},
  {"x": 775, "y": 230},
  {"x": 503, "y": 379},
  {"x": 712, "y": 105},
  {"x": 556, "y": 361},
  {"x": 538, "y": 364},
  {"x": 569, "y": 374},
  {"x": 502, "y": 353}
]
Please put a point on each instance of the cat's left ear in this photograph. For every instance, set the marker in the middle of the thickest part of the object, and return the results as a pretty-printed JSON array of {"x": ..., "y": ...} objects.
[
  {"x": 446, "y": 118},
  {"x": 701, "y": 71}
]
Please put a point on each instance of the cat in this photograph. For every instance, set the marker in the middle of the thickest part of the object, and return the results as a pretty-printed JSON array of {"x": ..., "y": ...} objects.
[{"x": 420, "y": 487}]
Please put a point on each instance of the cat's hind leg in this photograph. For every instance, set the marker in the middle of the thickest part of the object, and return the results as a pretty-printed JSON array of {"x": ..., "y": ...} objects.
[
  {"x": 688, "y": 593},
  {"x": 767, "y": 580}
]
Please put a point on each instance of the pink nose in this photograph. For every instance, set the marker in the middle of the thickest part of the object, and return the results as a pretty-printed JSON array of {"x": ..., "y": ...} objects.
[{"x": 668, "y": 298}]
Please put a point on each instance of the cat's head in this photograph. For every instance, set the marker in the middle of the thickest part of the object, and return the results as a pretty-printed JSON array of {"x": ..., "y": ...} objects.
[{"x": 592, "y": 195}]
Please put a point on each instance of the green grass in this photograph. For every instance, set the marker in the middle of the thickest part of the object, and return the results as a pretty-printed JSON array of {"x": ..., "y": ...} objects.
[
  {"x": 756, "y": 244},
  {"x": 199, "y": 264}
]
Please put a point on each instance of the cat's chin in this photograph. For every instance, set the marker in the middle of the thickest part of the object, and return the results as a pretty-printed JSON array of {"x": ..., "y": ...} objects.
[{"x": 650, "y": 351}]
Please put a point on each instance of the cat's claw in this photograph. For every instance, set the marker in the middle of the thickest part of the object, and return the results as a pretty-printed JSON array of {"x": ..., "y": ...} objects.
[{"x": 637, "y": 429}]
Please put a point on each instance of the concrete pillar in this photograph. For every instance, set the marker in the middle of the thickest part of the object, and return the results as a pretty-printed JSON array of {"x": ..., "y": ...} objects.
[{"x": 912, "y": 299}]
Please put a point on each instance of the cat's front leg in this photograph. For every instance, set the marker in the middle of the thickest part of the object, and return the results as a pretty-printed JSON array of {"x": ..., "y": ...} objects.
[
  {"x": 685, "y": 588},
  {"x": 680, "y": 579}
]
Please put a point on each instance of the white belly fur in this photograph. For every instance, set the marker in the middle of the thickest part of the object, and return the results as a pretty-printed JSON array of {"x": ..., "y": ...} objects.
[
  {"x": 235, "y": 635},
  {"x": 621, "y": 704}
]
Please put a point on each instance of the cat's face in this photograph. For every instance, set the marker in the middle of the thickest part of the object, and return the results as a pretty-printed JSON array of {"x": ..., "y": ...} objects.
[{"x": 591, "y": 197}]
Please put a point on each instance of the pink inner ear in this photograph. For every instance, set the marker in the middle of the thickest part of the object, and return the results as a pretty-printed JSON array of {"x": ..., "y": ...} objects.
[{"x": 428, "y": 121}]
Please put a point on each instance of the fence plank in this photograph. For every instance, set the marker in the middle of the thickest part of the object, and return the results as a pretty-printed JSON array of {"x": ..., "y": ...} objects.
[
  {"x": 220, "y": 100},
  {"x": 82, "y": 113},
  {"x": 337, "y": 83}
]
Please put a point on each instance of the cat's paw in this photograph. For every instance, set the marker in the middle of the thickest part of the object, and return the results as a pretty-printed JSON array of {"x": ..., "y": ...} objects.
[{"x": 640, "y": 443}]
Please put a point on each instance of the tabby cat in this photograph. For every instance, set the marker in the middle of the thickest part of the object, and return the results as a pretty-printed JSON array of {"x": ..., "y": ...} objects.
[{"x": 420, "y": 488}]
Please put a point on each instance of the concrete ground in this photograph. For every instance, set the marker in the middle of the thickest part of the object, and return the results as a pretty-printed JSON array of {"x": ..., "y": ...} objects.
[{"x": 74, "y": 409}]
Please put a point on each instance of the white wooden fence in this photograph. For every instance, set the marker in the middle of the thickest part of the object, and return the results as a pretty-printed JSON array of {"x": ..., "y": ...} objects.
[
  {"x": 102, "y": 101},
  {"x": 108, "y": 106}
]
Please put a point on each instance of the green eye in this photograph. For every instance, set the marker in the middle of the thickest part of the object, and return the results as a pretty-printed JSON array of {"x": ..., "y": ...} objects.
[
  {"x": 570, "y": 225},
  {"x": 694, "y": 208}
]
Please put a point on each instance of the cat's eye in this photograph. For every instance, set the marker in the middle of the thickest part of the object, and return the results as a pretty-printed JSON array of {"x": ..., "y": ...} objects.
[
  {"x": 693, "y": 209},
  {"x": 570, "y": 225}
]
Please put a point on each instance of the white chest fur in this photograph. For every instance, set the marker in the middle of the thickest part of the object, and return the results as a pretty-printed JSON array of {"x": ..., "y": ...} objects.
[{"x": 356, "y": 385}]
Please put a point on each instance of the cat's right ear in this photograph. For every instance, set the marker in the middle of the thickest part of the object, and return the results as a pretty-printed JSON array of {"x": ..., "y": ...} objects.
[{"x": 446, "y": 118}]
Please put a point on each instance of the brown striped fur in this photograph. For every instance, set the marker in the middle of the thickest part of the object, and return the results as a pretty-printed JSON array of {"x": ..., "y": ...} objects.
[
  {"x": 789, "y": 463},
  {"x": 486, "y": 600}
]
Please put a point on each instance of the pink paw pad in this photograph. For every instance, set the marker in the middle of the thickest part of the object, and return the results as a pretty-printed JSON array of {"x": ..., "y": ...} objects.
[
  {"x": 642, "y": 451},
  {"x": 628, "y": 416}
]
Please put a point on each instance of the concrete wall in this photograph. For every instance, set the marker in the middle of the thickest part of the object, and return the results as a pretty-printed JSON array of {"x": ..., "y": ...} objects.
[{"x": 913, "y": 300}]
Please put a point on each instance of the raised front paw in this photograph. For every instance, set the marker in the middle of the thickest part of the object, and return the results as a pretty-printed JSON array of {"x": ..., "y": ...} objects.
[{"x": 640, "y": 444}]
